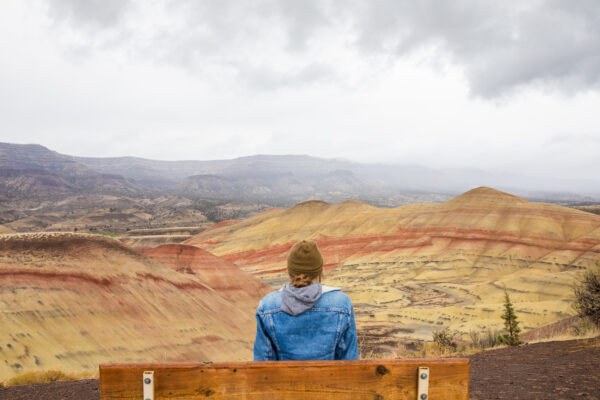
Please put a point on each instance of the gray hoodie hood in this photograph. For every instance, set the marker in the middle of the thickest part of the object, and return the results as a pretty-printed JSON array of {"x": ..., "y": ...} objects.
[{"x": 295, "y": 301}]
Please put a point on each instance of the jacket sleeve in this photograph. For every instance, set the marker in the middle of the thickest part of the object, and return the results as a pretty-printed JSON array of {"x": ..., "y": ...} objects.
[
  {"x": 263, "y": 346},
  {"x": 347, "y": 348}
]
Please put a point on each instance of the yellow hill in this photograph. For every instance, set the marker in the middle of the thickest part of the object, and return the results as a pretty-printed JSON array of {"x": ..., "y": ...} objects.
[
  {"x": 4, "y": 230},
  {"x": 413, "y": 269},
  {"x": 70, "y": 301}
]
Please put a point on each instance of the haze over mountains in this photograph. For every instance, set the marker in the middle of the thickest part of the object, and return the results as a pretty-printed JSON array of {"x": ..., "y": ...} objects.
[
  {"x": 27, "y": 170},
  {"x": 33, "y": 170}
]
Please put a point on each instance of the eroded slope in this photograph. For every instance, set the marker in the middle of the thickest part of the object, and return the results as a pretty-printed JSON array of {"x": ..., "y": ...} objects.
[
  {"x": 70, "y": 301},
  {"x": 412, "y": 269},
  {"x": 235, "y": 285}
]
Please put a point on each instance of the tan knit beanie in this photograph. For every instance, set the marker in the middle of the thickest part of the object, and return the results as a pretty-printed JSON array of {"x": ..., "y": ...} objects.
[{"x": 305, "y": 258}]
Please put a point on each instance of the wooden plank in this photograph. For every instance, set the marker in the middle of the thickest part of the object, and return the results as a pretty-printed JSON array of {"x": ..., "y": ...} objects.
[{"x": 283, "y": 380}]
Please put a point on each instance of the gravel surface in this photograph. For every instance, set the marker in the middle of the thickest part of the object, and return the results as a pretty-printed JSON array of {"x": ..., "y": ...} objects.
[
  {"x": 71, "y": 390},
  {"x": 552, "y": 370}
]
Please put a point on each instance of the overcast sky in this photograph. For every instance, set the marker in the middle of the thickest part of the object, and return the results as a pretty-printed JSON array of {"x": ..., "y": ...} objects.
[{"x": 497, "y": 85}]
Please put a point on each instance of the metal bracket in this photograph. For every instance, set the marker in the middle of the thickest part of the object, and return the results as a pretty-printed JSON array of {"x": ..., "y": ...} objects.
[
  {"x": 423, "y": 383},
  {"x": 148, "y": 383}
]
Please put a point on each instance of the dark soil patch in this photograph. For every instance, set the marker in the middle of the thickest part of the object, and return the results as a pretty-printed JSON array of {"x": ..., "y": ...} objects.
[
  {"x": 70, "y": 390},
  {"x": 552, "y": 370}
]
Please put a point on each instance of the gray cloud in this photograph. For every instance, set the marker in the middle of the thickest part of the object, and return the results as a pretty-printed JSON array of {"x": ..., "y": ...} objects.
[
  {"x": 96, "y": 14},
  {"x": 500, "y": 46}
]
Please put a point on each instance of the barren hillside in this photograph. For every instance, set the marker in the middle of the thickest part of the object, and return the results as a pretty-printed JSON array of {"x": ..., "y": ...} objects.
[
  {"x": 70, "y": 301},
  {"x": 232, "y": 283},
  {"x": 413, "y": 269}
]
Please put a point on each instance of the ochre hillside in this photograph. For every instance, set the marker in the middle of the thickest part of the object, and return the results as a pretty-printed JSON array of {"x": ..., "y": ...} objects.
[
  {"x": 70, "y": 301},
  {"x": 232, "y": 283},
  {"x": 413, "y": 269}
]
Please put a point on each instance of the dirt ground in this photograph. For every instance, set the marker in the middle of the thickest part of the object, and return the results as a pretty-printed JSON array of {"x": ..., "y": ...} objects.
[
  {"x": 552, "y": 370},
  {"x": 72, "y": 390}
]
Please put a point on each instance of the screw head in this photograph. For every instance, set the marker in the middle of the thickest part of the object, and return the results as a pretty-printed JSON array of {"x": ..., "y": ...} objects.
[
  {"x": 423, "y": 375},
  {"x": 423, "y": 396},
  {"x": 147, "y": 381}
]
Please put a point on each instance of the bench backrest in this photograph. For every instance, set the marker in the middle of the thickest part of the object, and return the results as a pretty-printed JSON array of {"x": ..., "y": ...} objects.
[{"x": 446, "y": 379}]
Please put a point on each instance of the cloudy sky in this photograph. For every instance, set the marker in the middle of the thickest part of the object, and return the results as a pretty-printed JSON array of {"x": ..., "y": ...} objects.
[{"x": 496, "y": 85}]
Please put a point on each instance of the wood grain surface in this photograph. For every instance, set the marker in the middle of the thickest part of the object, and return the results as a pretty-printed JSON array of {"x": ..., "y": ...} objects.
[{"x": 298, "y": 380}]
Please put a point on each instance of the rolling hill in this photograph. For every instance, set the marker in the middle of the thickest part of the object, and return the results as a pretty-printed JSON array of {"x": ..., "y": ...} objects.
[
  {"x": 413, "y": 269},
  {"x": 70, "y": 301},
  {"x": 232, "y": 283}
]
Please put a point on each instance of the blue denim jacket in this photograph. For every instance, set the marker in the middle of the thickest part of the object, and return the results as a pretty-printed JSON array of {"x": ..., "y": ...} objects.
[{"x": 325, "y": 332}]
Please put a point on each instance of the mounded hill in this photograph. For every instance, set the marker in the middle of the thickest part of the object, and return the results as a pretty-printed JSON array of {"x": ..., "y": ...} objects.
[
  {"x": 70, "y": 301},
  {"x": 413, "y": 269},
  {"x": 232, "y": 283}
]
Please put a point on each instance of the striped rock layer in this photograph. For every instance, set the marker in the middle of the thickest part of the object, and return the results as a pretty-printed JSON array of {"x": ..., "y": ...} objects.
[
  {"x": 228, "y": 280},
  {"x": 71, "y": 301},
  {"x": 413, "y": 269}
]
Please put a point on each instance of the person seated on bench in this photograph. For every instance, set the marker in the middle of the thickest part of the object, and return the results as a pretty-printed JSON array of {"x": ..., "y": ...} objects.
[{"x": 305, "y": 320}]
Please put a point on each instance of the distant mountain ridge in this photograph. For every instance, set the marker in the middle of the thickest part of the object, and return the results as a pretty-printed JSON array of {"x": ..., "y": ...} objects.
[
  {"x": 27, "y": 170},
  {"x": 276, "y": 179},
  {"x": 375, "y": 180}
]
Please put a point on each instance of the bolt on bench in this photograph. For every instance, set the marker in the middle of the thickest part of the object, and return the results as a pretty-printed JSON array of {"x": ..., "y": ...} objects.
[{"x": 421, "y": 379}]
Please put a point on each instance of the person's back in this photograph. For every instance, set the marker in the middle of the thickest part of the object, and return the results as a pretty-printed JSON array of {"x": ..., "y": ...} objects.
[{"x": 305, "y": 320}]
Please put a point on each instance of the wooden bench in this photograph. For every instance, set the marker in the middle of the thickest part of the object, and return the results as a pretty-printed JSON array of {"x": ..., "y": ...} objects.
[{"x": 432, "y": 379}]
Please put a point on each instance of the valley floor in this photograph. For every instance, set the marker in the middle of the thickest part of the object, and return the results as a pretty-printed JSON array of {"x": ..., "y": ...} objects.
[{"x": 550, "y": 370}]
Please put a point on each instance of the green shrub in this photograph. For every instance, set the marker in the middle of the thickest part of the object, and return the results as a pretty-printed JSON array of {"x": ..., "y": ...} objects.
[
  {"x": 445, "y": 339},
  {"x": 587, "y": 295},
  {"x": 511, "y": 325}
]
